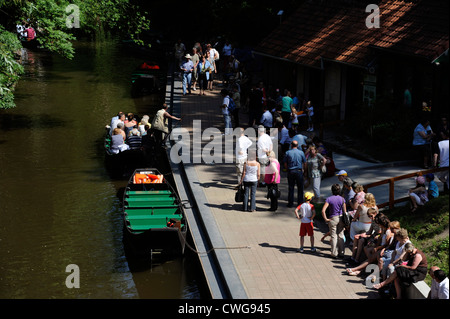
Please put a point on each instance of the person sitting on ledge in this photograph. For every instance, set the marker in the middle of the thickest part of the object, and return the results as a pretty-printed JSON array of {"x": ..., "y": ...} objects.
[{"x": 413, "y": 271}]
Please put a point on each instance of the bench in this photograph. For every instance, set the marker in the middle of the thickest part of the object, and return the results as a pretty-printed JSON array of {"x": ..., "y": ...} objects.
[
  {"x": 149, "y": 202},
  {"x": 417, "y": 290},
  {"x": 150, "y": 193},
  {"x": 160, "y": 210},
  {"x": 147, "y": 222}
]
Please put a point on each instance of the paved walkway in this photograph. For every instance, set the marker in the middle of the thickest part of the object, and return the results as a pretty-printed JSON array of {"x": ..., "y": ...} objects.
[{"x": 271, "y": 267}]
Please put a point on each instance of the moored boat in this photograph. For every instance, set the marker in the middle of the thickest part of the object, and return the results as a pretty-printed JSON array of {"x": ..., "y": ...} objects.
[
  {"x": 123, "y": 162},
  {"x": 153, "y": 214},
  {"x": 148, "y": 78}
]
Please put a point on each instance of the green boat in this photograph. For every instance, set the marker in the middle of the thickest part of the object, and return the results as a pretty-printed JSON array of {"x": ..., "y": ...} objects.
[
  {"x": 148, "y": 78},
  {"x": 153, "y": 214}
]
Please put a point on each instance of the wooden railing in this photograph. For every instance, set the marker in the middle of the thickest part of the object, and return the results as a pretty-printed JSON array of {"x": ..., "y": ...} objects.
[{"x": 391, "y": 181}]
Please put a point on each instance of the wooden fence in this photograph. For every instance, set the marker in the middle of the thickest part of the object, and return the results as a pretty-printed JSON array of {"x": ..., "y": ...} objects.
[{"x": 391, "y": 181}]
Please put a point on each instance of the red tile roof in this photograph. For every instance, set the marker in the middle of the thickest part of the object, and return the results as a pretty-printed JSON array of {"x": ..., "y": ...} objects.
[{"x": 336, "y": 30}]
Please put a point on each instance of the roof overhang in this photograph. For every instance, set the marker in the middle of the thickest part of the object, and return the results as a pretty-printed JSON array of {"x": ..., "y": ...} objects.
[
  {"x": 287, "y": 60},
  {"x": 442, "y": 58}
]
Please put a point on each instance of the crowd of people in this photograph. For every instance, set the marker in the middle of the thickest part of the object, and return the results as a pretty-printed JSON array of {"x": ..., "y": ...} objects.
[
  {"x": 130, "y": 132},
  {"x": 303, "y": 164},
  {"x": 200, "y": 66},
  {"x": 25, "y": 31},
  {"x": 432, "y": 147},
  {"x": 376, "y": 240},
  {"x": 373, "y": 238}
]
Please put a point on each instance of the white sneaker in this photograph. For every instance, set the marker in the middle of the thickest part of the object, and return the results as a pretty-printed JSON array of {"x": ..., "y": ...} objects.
[{"x": 194, "y": 89}]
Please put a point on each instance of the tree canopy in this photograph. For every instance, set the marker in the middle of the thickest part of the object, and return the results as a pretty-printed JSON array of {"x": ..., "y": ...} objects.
[{"x": 57, "y": 23}]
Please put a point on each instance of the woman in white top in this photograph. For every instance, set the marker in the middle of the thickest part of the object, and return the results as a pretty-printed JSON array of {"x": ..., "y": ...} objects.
[
  {"x": 250, "y": 177},
  {"x": 361, "y": 222},
  {"x": 396, "y": 258},
  {"x": 372, "y": 250}
]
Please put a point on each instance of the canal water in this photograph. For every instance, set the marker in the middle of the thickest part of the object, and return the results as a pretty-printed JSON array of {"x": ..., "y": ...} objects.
[{"x": 58, "y": 204}]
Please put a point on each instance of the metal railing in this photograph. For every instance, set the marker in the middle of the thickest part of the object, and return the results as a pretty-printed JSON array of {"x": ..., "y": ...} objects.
[{"x": 391, "y": 181}]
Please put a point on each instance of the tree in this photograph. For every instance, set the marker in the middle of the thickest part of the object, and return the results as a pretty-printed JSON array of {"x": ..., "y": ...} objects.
[
  {"x": 10, "y": 69},
  {"x": 48, "y": 18}
]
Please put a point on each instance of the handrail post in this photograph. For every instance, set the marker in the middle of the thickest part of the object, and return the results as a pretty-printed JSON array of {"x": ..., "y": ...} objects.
[{"x": 391, "y": 193}]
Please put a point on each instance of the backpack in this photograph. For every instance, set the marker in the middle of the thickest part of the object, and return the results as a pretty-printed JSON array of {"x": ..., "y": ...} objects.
[
  {"x": 216, "y": 55},
  {"x": 231, "y": 105}
]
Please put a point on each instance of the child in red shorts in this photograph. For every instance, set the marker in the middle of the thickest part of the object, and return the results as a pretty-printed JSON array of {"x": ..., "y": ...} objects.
[{"x": 306, "y": 213}]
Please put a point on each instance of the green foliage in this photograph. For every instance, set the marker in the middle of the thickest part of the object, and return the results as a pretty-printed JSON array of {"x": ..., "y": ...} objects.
[
  {"x": 426, "y": 227},
  {"x": 10, "y": 69},
  {"x": 48, "y": 18},
  {"x": 437, "y": 255},
  {"x": 427, "y": 221}
]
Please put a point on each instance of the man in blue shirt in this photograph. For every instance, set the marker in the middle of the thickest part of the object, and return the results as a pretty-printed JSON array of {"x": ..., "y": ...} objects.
[
  {"x": 294, "y": 162},
  {"x": 187, "y": 68},
  {"x": 267, "y": 118}
]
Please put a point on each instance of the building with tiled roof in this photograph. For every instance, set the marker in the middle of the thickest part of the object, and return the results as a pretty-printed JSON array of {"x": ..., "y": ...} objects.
[{"x": 328, "y": 51}]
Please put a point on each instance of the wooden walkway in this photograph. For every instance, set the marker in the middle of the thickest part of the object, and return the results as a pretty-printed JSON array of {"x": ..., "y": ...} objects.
[{"x": 262, "y": 245}]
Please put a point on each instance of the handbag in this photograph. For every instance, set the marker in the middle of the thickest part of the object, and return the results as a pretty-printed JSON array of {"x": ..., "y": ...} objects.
[
  {"x": 239, "y": 196},
  {"x": 273, "y": 192},
  {"x": 345, "y": 219}
]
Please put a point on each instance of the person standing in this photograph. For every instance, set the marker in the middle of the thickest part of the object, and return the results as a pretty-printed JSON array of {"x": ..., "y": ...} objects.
[
  {"x": 332, "y": 211},
  {"x": 227, "y": 51},
  {"x": 255, "y": 105},
  {"x": 287, "y": 107},
  {"x": 226, "y": 112},
  {"x": 187, "y": 68},
  {"x": 250, "y": 177},
  {"x": 212, "y": 69},
  {"x": 160, "y": 123},
  {"x": 236, "y": 96},
  {"x": 310, "y": 113},
  {"x": 272, "y": 179},
  {"x": 31, "y": 34},
  {"x": 242, "y": 145},
  {"x": 443, "y": 156},
  {"x": 179, "y": 50},
  {"x": 203, "y": 69},
  {"x": 422, "y": 136},
  {"x": 306, "y": 213},
  {"x": 314, "y": 164},
  {"x": 266, "y": 118},
  {"x": 294, "y": 162},
  {"x": 195, "y": 60},
  {"x": 265, "y": 145}
]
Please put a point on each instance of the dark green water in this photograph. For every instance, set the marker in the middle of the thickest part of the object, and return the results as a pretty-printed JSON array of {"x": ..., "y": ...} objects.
[{"x": 58, "y": 205}]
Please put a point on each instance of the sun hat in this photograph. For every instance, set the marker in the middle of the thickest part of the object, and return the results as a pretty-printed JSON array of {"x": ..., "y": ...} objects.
[
  {"x": 341, "y": 173},
  {"x": 188, "y": 56},
  {"x": 309, "y": 195}
]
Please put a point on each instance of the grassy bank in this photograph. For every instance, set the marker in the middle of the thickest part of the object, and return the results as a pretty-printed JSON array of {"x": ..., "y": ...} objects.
[{"x": 428, "y": 229}]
